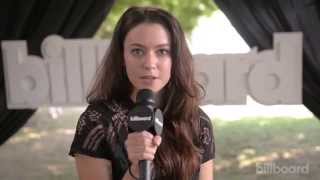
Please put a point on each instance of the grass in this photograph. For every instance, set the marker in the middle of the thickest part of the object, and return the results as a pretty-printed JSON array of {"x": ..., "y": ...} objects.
[
  {"x": 39, "y": 150},
  {"x": 285, "y": 142}
]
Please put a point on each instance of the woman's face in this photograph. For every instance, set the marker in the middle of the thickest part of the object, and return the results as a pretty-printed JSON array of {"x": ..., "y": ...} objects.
[{"x": 147, "y": 57}]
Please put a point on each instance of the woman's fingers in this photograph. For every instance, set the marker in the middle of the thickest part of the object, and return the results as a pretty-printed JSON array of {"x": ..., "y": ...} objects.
[
  {"x": 142, "y": 156},
  {"x": 142, "y": 146},
  {"x": 140, "y": 139},
  {"x": 137, "y": 154},
  {"x": 157, "y": 140},
  {"x": 143, "y": 149}
]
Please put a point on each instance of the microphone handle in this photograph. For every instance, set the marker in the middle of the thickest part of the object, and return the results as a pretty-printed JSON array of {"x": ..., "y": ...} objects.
[{"x": 145, "y": 170}]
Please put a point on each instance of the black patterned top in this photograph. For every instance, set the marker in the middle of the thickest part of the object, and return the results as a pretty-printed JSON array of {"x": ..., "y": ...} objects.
[{"x": 103, "y": 128}]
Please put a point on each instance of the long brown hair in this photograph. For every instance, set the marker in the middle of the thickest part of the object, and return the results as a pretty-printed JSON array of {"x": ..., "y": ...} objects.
[{"x": 178, "y": 155}]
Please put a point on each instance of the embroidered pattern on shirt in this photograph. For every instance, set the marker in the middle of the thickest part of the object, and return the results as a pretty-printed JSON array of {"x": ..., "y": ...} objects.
[
  {"x": 95, "y": 136},
  {"x": 205, "y": 136},
  {"x": 119, "y": 120},
  {"x": 92, "y": 115}
]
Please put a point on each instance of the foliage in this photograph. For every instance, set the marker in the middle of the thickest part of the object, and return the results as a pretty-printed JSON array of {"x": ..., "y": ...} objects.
[{"x": 186, "y": 11}]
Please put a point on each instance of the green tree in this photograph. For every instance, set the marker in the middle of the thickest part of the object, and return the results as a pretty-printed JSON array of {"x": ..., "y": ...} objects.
[{"x": 186, "y": 11}]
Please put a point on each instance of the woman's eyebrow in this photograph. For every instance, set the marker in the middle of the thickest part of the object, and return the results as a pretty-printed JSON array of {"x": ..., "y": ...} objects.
[
  {"x": 136, "y": 44},
  {"x": 163, "y": 45},
  {"x": 157, "y": 46}
]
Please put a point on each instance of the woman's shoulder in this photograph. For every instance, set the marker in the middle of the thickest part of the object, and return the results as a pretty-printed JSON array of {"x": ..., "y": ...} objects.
[
  {"x": 204, "y": 118},
  {"x": 206, "y": 137},
  {"x": 102, "y": 110},
  {"x": 96, "y": 109},
  {"x": 106, "y": 106},
  {"x": 108, "y": 111},
  {"x": 206, "y": 128},
  {"x": 107, "y": 115}
]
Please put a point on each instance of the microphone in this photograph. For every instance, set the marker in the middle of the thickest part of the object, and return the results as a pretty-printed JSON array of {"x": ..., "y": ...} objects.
[{"x": 145, "y": 116}]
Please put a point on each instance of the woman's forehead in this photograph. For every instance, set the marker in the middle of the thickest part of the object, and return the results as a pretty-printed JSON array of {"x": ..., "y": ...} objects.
[{"x": 152, "y": 34}]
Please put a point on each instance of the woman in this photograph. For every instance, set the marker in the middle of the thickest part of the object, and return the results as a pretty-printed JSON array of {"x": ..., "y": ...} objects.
[{"x": 148, "y": 51}]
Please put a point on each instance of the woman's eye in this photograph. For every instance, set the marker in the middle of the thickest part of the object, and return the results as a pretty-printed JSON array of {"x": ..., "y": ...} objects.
[
  {"x": 163, "y": 52},
  {"x": 137, "y": 51}
]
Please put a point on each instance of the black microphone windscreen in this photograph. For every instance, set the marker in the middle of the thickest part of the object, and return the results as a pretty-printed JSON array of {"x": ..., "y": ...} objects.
[{"x": 146, "y": 96}]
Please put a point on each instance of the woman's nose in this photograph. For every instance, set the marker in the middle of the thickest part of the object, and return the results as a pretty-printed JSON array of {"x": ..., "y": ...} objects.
[{"x": 150, "y": 61}]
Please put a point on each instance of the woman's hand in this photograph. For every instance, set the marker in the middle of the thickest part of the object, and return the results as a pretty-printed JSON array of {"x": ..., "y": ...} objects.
[{"x": 141, "y": 146}]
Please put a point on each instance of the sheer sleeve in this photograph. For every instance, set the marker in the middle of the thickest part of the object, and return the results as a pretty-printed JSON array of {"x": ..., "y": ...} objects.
[
  {"x": 206, "y": 138},
  {"x": 90, "y": 135}
]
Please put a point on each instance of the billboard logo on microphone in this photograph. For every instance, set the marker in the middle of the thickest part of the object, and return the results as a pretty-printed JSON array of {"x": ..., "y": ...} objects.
[{"x": 139, "y": 118}]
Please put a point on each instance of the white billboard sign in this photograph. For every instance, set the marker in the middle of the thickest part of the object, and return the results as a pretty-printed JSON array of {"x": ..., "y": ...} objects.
[{"x": 63, "y": 75}]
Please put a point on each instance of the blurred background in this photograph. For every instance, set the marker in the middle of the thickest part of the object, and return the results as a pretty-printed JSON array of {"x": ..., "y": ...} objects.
[{"x": 247, "y": 137}]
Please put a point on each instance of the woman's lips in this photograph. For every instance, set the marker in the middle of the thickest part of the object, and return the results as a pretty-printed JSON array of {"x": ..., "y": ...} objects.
[
  {"x": 148, "y": 80},
  {"x": 148, "y": 77}
]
